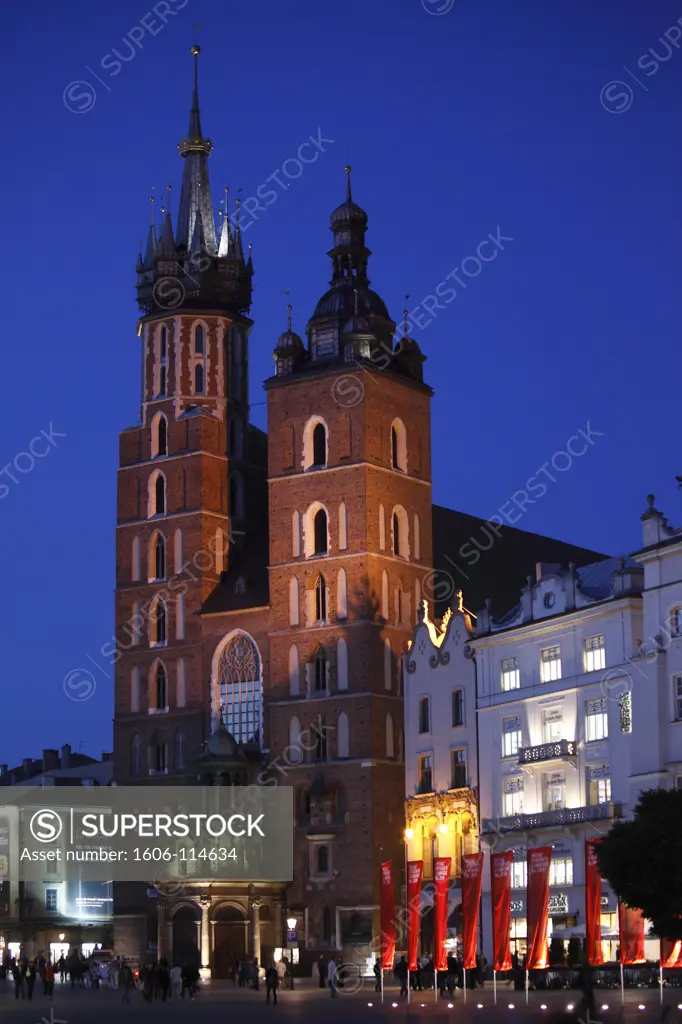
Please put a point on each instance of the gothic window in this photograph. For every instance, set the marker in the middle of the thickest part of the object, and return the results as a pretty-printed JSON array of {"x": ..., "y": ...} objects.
[
  {"x": 135, "y": 689},
  {"x": 135, "y": 570},
  {"x": 319, "y": 445},
  {"x": 159, "y": 758},
  {"x": 160, "y": 495},
  {"x": 342, "y": 663},
  {"x": 239, "y": 672},
  {"x": 199, "y": 340},
  {"x": 294, "y": 672},
  {"x": 320, "y": 599},
  {"x": 135, "y": 755},
  {"x": 320, "y": 669},
  {"x": 157, "y": 560},
  {"x": 180, "y": 617},
  {"x": 326, "y": 925},
  {"x": 159, "y": 694},
  {"x": 181, "y": 684},
  {"x": 158, "y": 622},
  {"x": 295, "y": 534},
  {"x": 159, "y": 435},
  {"x": 294, "y": 607},
  {"x": 343, "y": 527},
  {"x": 164, "y": 342},
  {"x": 384, "y": 595},
  {"x": 162, "y": 380},
  {"x": 320, "y": 528},
  {"x": 342, "y": 736},
  {"x": 341, "y": 595},
  {"x": 396, "y": 535},
  {"x": 400, "y": 532},
  {"x": 399, "y": 446},
  {"x": 382, "y": 528},
  {"x": 294, "y": 753},
  {"x": 179, "y": 750},
  {"x": 198, "y": 379}
]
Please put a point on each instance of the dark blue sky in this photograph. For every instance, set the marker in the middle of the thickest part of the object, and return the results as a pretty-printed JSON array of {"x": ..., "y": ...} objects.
[{"x": 486, "y": 116}]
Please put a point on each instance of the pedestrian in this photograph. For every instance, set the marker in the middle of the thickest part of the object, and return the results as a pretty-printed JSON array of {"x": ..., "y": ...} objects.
[
  {"x": 48, "y": 979},
  {"x": 163, "y": 977},
  {"x": 401, "y": 973},
  {"x": 377, "y": 975},
  {"x": 331, "y": 977},
  {"x": 19, "y": 975},
  {"x": 271, "y": 982},
  {"x": 234, "y": 969},
  {"x": 30, "y": 979},
  {"x": 176, "y": 981},
  {"x": 322, "y": 970},
  {"x": 125, "y": 981},
  {"x": 281, "y": 970}
]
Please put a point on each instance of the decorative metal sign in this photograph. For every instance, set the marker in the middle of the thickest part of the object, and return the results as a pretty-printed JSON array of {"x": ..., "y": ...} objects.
[{"x": 626, "y": 712}]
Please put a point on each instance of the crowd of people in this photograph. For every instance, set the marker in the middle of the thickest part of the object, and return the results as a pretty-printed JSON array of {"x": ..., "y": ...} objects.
[
  {"x": 426, "y": 976},
  {"x": 25, "y": 973}
]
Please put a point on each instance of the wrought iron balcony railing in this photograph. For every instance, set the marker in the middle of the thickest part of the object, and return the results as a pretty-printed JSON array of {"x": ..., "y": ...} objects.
[
  {"x": 559, "y": 750},
  {"x": 548, "y": 819}
]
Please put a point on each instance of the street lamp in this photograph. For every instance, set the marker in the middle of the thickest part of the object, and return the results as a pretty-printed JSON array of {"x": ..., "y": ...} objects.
[
  {"x": 291, "y": 923},
  {"x": 291, "y": 942},
  {"x": 61, "y": 936}
]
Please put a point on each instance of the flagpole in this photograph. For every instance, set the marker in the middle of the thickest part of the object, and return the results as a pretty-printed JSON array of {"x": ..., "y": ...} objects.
[
  {"x": 622, "y": 984},
  {"x": 527, "y": 983},
  {"x": 435, "y": 982},
  {"x": 495, "y": 987},
  {"x": 464, "y": 983},
  {"x": 381, "y": 984},
  {"x": 407, "y": 918},
  {"x": 660, "y": 976}
]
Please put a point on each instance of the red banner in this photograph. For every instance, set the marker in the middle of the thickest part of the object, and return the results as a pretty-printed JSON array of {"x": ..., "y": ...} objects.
[
  {"x": 671, "y": 953},
  {"x": 500, "y": 887},
  {"x": 631, "y": 928},
  {"x": 414, "y": 895},
  {"x": 593, "y": 948},
  {"x": 387, "y": 917},
  {"x": 537, "y": 906},
  {"x": 441, "y": 876},
  {"x": 472, "y": 880}
]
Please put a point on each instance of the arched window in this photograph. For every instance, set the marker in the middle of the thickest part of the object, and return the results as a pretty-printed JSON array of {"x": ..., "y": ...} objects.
[
  {"x": 341, "y": 595},
  {"x": 294, "y": 672},
  {"x": 158, "y": 757},
  {"x": 180, "y": 617},
  {"x": 400, "y": 532},
  {"x": 320, "y": 528},
  {"x": 321, "y": 667},
  {"x": 388, "y": 664},
  {"x": 163, "y": 375},
  {"x": 163, "y": 342},
  {"x": 179, "y": 750},
  {"x": 198, "y": 379},
  {"x": 135, "y": 567},
  {"x": 315, "y": 444},
  {"x": 322, "y": 859},
  {"x": 320, "y": 599},
  {"x": 382, "y": 528},
  {"x": 135, "y": 689},
  {"x": 342, "y": 663},
  {"x": 157, "y": 494},
  {"x": 137, "y": 622},
  {"x": 294, "y": 602},
  {"x": 424, "y": 715},
  {"x": 398, "y": 446},
  {"x": 384, "y": 595},
  {"x": 157, "y": 558},
  {"x": 158, "y": 691},
  {"x": 158, "y": 622},
  {"x": 319, "y": 445},
  {"x": 135, "y": 755},
  {"x": 159, "y": 431},
  {"x": 342, "y": 736},
  {"x": 417, "y": 541},
  {"x": 343, "y": 527},
  {"x": 178, "y": 552},
  {"x": 390, "y": 747},
  {"x": 315, "y": 530},
  {"x": 295, "y": 534},
  {"x": 676, "y": 622},
  {"x": 199, "y": 340},
  {"x": 238, "y": 673}
]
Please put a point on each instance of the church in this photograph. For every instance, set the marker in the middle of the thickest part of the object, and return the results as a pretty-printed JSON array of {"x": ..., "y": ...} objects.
[{"x": 267, "y": 585}]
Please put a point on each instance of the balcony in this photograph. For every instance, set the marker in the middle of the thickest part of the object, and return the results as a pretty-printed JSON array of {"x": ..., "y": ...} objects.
[
  {"x": 567, "y": 816},
  {"x": 560, "y": 750}
]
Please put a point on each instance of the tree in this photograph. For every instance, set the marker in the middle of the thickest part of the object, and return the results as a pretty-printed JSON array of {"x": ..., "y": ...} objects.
[{"x": 642, "y": 860}]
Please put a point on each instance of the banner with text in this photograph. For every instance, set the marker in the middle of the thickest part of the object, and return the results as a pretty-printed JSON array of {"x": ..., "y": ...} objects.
[
  {"x": 387, "y": 917},
  {"x": 631, "y": 929},
  {"x": 441, "y": 877},
  {"x": 137, "y": 833},
  {"x": 539, "y": 861},
  {"x": 414, "y": 892},
  {"x": 671, "y": 953},
  {"x": 500, "y": 879},
  {"x": 472, "y": 879},
  {"x": 593, "y": 947}
]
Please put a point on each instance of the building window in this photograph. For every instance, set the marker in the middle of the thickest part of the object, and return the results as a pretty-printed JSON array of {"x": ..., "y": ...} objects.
[
  {"x": 561, "y": 871},
  {"x": 160, "y": 758},
  {"x": 599, "y": 785},
  {"x": 239, "y": 671},
  {"x": 400, "y": 533},
  {"x": 295, "y": 534},
  {"x": 382, "y": 528},
  {"x": 424, "y": 715},
  {"x": 677, "y": 693},
  {"x": 160, "y": 693},
  {"x": 157, "y": 494},
  {"x": 511, "y": 676},
  {"x": 676, "y": 622},
  {"x": 198, "y": 379},
  {"x": 199, "y": 340},
  {"x": 164, "y": 342},
  {"x": 425, "y": 773},
  {"x": 399, "y": 446},
  {"x": 163, "y": 373},
  {"x": 343, "y": 527},
  {"x": 179, "y": 750},
  {"x": 320, "y": 669},
  {"x": 294, "y": 609},
  {"x": 294, "y": 672},
  {"x": 594, "y": 654},
  {"x": 459, "y": 769},
  {"x": 158, "y": 623},
  {"x": 319, "y": 446},
  {"x": 159, "y": 561},
  {"x": 342, "y": 736},
  {"x": 512, "y": 798},
  {"x": 320, "y": 532},
  {"x": 511, "y": 737},
  {"x": 519, "y": 873},
  {"x": 550, "y": 664},
  {"x": 552, "y": 725},
  {"x": 341, "y": 664},
  {"x": 596, "y": 720},
  {"x": 52, "y": 900},
  {"x": 322, "y": 865},
  {"x": 554, "y": 792},
  {"x": 159, "y": 435},
  {"x": 341, "y": 595},
  {"x": 320, "y": 599},
  {"x": 457, "y": 708}
]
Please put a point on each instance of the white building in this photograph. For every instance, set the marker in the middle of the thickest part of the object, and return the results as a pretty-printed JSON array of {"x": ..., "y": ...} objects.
[{"x": 577, "y": 693}]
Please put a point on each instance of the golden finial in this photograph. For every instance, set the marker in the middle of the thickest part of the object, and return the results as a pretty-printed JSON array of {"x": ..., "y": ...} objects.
[{"x": 196, "y": 50}]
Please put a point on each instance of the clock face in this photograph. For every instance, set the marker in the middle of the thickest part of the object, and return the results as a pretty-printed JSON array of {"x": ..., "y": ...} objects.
[{"x": 549, "y": 600}]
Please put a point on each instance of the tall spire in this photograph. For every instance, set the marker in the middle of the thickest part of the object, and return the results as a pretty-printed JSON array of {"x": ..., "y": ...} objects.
[
  {"x": 166, "y": 246},
  {"x": 349, "y": 194},
  {"x": 195, "y": 194},
  {"x": 150, "y": 251},
  {"x": 226, "y": 243}
]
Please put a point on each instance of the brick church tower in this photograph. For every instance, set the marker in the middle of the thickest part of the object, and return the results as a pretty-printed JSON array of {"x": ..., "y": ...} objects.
[{"x": 350, "y": 540}]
